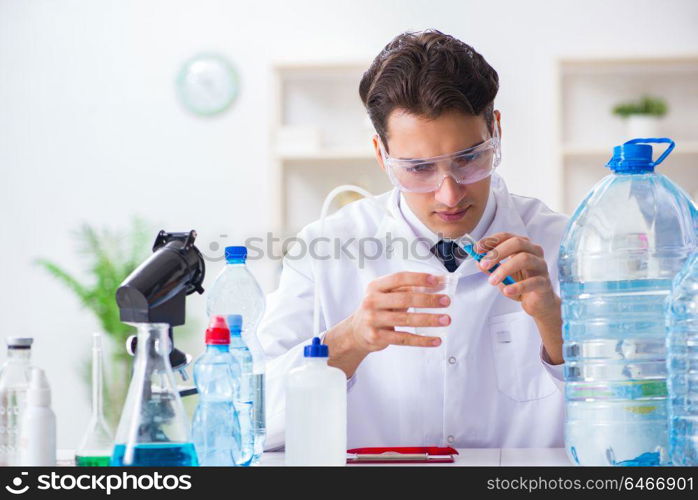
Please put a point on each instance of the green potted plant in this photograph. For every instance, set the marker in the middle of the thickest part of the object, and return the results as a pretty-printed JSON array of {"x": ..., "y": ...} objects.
[
  {"x": 642, "y": 116},
  {"x": 110, "y": 256}
]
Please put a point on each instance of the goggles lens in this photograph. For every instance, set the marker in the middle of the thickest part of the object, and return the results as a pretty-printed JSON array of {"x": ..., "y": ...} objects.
[{"x": 427, "y": 174}]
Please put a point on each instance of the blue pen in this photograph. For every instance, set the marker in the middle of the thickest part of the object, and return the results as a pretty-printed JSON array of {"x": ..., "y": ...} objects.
[{"x": 470, "y": 250}]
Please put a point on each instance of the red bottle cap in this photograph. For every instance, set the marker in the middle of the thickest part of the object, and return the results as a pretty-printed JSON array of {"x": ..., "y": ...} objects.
[{"x": 217, "y": 332}]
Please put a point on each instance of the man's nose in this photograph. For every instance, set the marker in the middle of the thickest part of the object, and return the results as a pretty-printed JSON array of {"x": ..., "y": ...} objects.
[{"x": 450, "y": 193}]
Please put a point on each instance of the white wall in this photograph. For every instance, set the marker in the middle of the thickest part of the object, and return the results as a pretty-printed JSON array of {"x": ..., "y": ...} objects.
[{"x": 90, "y": 129}]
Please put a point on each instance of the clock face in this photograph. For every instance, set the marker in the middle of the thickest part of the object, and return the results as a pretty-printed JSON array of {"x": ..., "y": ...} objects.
[{"x": 207, "y": 84}]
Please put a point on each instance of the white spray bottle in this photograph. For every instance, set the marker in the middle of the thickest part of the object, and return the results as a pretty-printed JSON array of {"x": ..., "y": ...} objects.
[{"x": 37, "y": 440}]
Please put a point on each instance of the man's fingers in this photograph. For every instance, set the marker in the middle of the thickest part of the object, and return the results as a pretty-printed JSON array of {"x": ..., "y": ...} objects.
[
  {"x": 382, "y": 319},
  {"x": 489, "y": 242},
  {"x": 404, "y": 300},
  {"x": 523, "y": 264},
  {"x": 528, "y": 285},
  {"x": 404, "y": 338},
  {"x": 405, "y": 278},
  {"x": 502, "y": 245}
]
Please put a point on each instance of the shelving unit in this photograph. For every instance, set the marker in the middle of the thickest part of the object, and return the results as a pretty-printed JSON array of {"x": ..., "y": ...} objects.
[
  {"x": 328, "y": 155},
  {"x": 588, "y": 90},
  {"x": 321, "y": 137},
  {"x": 570, "y": 150}
]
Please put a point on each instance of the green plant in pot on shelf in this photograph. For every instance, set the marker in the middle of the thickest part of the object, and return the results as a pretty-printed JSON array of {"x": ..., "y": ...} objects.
[
  {"x": 642, "y": 116},
  {"x": 110, "y": 256}
]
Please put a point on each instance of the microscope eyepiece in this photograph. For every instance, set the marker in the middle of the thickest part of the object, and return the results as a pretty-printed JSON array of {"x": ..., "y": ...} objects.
[{"x": 155, "y": 291}]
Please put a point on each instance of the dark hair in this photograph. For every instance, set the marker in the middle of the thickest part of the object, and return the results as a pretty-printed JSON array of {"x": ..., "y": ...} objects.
[{"x": 428, "y": 73}]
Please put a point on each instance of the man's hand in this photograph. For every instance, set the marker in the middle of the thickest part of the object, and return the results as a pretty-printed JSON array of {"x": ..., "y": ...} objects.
[
  {"x": 525, "y": 263},
  {"x": 375, "y": 324}
]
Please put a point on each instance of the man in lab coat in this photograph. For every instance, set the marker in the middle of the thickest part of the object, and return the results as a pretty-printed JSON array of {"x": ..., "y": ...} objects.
[{"x": 494, "y": 379}]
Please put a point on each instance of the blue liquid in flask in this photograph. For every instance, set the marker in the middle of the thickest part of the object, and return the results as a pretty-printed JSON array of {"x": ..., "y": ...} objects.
[
  {"x": 157, "y": 455},
  {"x": 153, "y": 429}
]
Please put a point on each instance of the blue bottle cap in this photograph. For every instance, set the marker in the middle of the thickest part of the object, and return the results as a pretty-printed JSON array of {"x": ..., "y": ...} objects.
[
  {"x": 635, "y": 156},
  {"x": 234, "y": 324},
  {"x": 235, "y": 255},
  {"x": 316, "y": 349},
  {"x": 631, "y": 158}
]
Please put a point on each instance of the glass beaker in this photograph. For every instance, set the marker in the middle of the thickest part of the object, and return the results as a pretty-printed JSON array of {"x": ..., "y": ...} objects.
[
  {"x": 447, "y": 286},
  {"x": 97, "y": 442},
  {"x": 153, "y": 430}
]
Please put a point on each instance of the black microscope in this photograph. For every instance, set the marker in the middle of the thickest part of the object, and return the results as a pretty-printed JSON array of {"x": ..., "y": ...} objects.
[{"x": 155, "y": 292}]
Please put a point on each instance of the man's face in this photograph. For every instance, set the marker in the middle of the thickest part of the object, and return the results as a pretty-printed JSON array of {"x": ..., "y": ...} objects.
[{"x": 453, "y": 209}]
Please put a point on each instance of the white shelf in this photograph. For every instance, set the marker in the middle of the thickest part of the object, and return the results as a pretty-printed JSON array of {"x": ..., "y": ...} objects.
[
  {"x": 314, "y": 68},
  {"x": 328, "y": 155},
  {"x": 682, "y": 148},
  {"x": 321, "y": 137},
  {"x": 631, "y": 65}
]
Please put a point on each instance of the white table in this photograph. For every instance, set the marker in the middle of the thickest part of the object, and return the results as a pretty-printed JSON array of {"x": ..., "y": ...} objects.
[{"x": 530, "y": 457}]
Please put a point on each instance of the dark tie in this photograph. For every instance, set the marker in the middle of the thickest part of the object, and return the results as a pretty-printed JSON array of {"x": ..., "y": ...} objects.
[{"x": 447, "y": 251}]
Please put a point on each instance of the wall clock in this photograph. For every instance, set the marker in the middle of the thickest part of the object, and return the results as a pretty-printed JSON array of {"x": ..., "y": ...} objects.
[{"x": 207, "y": 84}]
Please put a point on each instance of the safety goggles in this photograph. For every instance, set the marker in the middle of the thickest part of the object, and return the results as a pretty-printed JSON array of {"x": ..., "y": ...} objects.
[{"x": 424, "y": 175}]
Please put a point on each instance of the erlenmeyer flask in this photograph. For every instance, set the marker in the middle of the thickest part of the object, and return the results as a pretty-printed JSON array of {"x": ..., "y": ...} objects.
[
  {"x": 153, "y": 430},
  {"x": 97, "y": 442}
]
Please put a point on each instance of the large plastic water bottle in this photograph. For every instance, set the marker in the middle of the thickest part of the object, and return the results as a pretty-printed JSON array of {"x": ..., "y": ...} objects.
[
  {"x": 682, "y": 362},
  {"x": 623, "y": 246},
  {"x": 215, "y": 425},
  {"x": 235, "y": 291}
]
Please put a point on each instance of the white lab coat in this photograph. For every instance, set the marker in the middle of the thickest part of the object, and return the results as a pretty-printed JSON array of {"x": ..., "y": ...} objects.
[{"x": 486, "y": 385}]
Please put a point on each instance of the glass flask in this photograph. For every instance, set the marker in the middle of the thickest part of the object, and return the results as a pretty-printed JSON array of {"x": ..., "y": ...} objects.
[
  {"x": 97, "y": 442},
  {"x": 153, "y": 430},
  {"x": 14, "y": 382}
]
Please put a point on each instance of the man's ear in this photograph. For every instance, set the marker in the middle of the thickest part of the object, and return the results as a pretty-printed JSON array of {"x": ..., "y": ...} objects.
[
  {"x": 377, "y": 151},
  {"x": 498, "y": 121}
]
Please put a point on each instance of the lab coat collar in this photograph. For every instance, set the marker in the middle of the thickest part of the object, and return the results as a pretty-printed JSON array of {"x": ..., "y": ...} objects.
[
  {"x": 506, "y": 219},
  {"x": 417, "y": 226},
  {"x": 422, "y": 231}
]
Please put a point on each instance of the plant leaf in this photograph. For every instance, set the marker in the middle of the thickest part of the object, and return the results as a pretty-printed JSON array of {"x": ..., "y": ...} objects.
[{"x": 67, "y": 279}]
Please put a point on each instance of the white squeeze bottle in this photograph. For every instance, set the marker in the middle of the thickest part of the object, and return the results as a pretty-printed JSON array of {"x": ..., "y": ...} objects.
[
  {"x": 316, "y": 411},
  {"x": 37, "y": 442}
]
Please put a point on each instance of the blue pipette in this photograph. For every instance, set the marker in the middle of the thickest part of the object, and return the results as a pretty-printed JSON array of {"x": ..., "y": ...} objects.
[{"x": 470, "y": 250}]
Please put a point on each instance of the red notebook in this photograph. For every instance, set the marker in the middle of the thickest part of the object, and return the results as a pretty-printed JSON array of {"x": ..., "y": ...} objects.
[{"x": 402, "y": 455}]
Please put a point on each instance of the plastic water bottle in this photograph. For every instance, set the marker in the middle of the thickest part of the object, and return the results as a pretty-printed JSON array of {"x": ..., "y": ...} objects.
[
  {"x": 682, "y": 362},
  {"x": 244, "y": 402},
  {"x": 316, "y": 411},
  {"x": 623, "y": 246},
  {"x": 14, "y": 382},
  {"x": 215, "y": 425},
  {"x": 235, "y": 291}
]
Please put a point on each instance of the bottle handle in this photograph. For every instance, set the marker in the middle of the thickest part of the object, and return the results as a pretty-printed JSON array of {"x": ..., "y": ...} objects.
[{"x": 656, "y": 140}]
